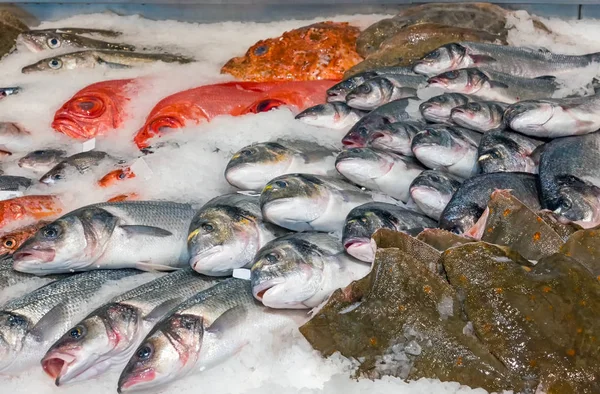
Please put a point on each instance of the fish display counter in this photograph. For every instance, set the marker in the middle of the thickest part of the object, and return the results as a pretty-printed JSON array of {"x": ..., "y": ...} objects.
[{"x": 299, "y": 198}]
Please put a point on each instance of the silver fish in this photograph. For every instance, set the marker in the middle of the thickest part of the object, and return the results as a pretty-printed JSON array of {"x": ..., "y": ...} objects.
[
  {"x": 506, "y": 151},
  {"x": 200, "y": 333},
  {"x": 448, "y": 147},
  {"x": 339, "y": 91},
  {"x": 381, "y": 90},
  {"x": 299, "y": 271},
  {"x": 480, "y": 116},
  {"x": 30, "y": 324},
  {"x": 226, "y": 233},
  {"x": 378, "y": 170},
  {"x": 14, "y": 284},
  {"x": 494, "y": 86},
  {"x": 439, "y": 108},
  {"x": 517, "y": 61},
  {"x": 14, "y": 183},
  {"x": 396, "y": 137},
  {"x": 107, "y": 338},
  {"x": 44, "y": 40},
  {"x": 253, "y": 166},
  {"x": 42, "y": 160},
  {"x": 80, "y": 163},
  {"x": 304, "y": 202},
  {"x": 432, "y": 190},
  {"x": 336, "y": 115},
  {"x": 148, "y": 235},
  {"x": 363, "y": 221},
  {"x": 553, "y": 118}
]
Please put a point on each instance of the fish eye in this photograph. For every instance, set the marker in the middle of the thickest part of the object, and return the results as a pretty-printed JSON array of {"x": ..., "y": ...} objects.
[
  {"x": 9, "y": 243},
  {"x": 566, "y": 203},
  {"x": 122, "y": 175},
  {"x": 50, "y": 232},
  {"x": 57, "y": 177},
  {"x": 261, "y": 50},
  {"x": 77, "y": 332},
  {"x": 272, "y": 257},
  {"x": 451, "y": 74},
  {"x": 246, "y": 152},
  {"x": 474, "y": 106},
  {"x": 434, "y": 55},
  {"x": 53, "y": 42},
  {"x": 14, "y": 321},
  {"x": 87, "y": 106},
  {"x": 364, "y": 88},
  {"x": 55, "y": 64},
  {"x": 144, "y": 352},
  {"x": 281, "y": 184},
  {"x": 208, "y": 227},
  {"x": 38, "y": 152}
]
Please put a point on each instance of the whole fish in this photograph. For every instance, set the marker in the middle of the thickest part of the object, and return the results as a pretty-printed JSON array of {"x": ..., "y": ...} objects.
[
  {"x": 299, "y": 271},
  {"x": 448, "y": 147},
  {"x": 109, "y": 335},
  {"x": 31, "y": 207},
  {"x": 96, "y": 109},
  {"x": 462, "y": 213},
  {"x": 396, "y": 137},
  {"x": 42, "y": 160},
  {"x": 14, "y": 183},
  {"x": 11, "y": 241},
  {"x": 304, "y": 202},
  {"x": 339, "y": 91},
  {"x": 323, "y": 50},
  {"x": 203, "y": 103},
  {"x": 79, "y": 163},
  {"x": 148, "y": 235},
  {"x": 480, "y": 116},
  {"x": 96, "y": 58},
  {"x": 83, "y": 30},
  {"x": 395, "y": 111},
  {"x": 553, "y": 118},
  {"x": 9, "y": 91},
  {"x": 336, "y": 115},
  {"x": 570, "y": 178},
  {"x": 116, "y": 176},
  {"x": 226, "y": 233},
  {"x": 363, "y": 221},
  {"x": 516, "y": 61},
  {"x": 30, "y": 324},
  {"x": 438, "y": 109},
  {"x": 506, "y": 151},
  {"x": 44, "y": 40},
  {"x": 383, "y": 89},
  {"x": 431, "y": 191},
  {"x": 200, "y": 333},
  {"x": 253, "y": 166},
  {"x": 494, "y": 86},
  {"x": 378, "y": 170}
]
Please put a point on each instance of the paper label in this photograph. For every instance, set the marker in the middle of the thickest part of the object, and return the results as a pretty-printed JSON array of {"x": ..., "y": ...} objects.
[
  {"x": 88, "y": 145},
  {"x": 241, "y": 273},
  {"x": 141, "y": 169}
]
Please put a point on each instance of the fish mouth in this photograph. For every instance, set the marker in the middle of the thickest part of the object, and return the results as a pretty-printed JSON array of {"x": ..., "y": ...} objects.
[
  {"x": 351, "y": 142},
  {"x": 67, "y": 126},
  {"x": 30, "y": 44},
  {"x": 57, "y": 364},
  {"x": 335, "y": 97},
  {"x": 145, "y": 376},
  {"x": 437, "y": 81},
  {"x": 203, "y": 255},
  {"x": 261, "y": 289},
  {"x": 360, "y": 248},
  {"x": 23, "y": 257}
]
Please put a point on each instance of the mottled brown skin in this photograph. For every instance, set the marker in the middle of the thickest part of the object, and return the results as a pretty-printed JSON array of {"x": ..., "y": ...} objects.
[
  {"x": 441, "y": 239},
  {"x": 10, "y": 28},
  {"x": 319, "y": 51},
  {"x": 584, "y": 246},
  {"x": 11, "y": 241},
  {"x": 413, "y": 42}
]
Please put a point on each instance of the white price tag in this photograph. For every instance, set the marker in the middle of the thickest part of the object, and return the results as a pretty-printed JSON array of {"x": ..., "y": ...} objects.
[
  {"x": 88, "y": 145},
  {"x": 241, "y": 273},
  {"x": 140, "y": 169},
  {"x": 7, "y": 194}
]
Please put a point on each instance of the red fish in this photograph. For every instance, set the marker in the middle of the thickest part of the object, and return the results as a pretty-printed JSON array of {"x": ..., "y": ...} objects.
[
  {"x": 96, "y": 109},
  {"x": 115, "y": 176},
  {"x": 125, "y": 197},
  {"x": 29, "y": 207},
  {"x": 11, "y": 241},
  {"x": 233, "y": 98}
]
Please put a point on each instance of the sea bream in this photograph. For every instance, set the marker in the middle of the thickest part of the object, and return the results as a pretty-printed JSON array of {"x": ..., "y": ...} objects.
[
  {"x": 42, "y": 160},
  {"x": 30, "y": 324},
  {"x": 507, "y": 151},
  {"x": 438, "y": 109},
  {"x": 299, "y": 271},
  {"x": 336, "y": 115},
  {"x": 451, "y": 148},
  {"x": 553, "y": 118},
  {"x": 254, "y": 165},
  {"x": 494, "y": 86},
  {"x": 516, "y": 61},
  {"x": 79, "y": 163},
  {"x": 480, "y": 116},
  {"x": 363, "y": 221},
  {"x": 226, "y": 233},
  {"x": 339, "y": 91},
  {"x": 305, "y": 202},
  {"x": 202, "y": 332},
  {"x": 107, "y": 338},
  {"x": 431, "y": 191},
  {"x": 379, "y": 170},
  {"x": 381, "y": 90},
  {"x": 52, "y": 39},
  {"x": 148, "y": 235},
  {"x": 570, "y": 178}
]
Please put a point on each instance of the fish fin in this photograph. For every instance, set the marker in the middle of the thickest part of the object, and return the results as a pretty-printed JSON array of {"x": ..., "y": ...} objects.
[
  {"x": 546, "y": 77},
  {"x": 48, "y": 321},
  {"x": 162, "y": 309},
  {"x": 111, "y": 64},
  {"x": 145, "y": 230},
  {"x": 230, "y": 318},
  {"x": 496, "y": 84},
  {"x": 482, "y": 58},
  {"x": 147, "y": 266},
  {"x": 582, "y": 123}
]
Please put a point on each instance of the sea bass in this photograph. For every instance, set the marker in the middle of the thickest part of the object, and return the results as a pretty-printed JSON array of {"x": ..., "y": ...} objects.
[
  {"x": 396, "y": 137},
  {"x": 15, "y": 284},
  {"x": 148, "y": 235},
  {"x": 383, "y": 89},
  {"x": 226, "y": 233},
  {"x": 431, "y": 191},
  {"x": 299, "y": 271},
  {"x": 108, "y": 336},
  {"x": 305, "y": 202},
  {"x": 438, "y": 109},
  {"x": 336, "y": 115},
  {"x": 378, "y": 170},
  {"x": 339, "y": 91},
  {"x": 202, "y": 332},
  {"x": 30, "y": 324},
  {"x": 42, "y": 160},
  {"x": 363, "y": 221},
  {"x": 202, "y": 104},
  {"x": 480, "y": 116},
  {"x": 253, "y": 166},
  {"x": 79, "y": 163},
  {"x": 47, "y": 40},
  {"x": 507, "y": 151}
]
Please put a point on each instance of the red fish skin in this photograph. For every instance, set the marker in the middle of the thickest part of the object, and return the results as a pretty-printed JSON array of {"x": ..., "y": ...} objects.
[
  {"x": 203, "y": 103},
  {"x": 96, "y": 109},
  {"x": 36, "y": 207}
]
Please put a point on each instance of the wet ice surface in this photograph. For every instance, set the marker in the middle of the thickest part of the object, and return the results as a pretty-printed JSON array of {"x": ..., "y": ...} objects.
[{"x": 194, "y": 172}]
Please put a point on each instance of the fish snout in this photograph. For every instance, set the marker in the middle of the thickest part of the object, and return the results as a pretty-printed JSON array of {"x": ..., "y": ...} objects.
[
  {"x": 360, "y": 248},
  {"x": 55, "y": 365},
  {"x": 63, "y": 123}
]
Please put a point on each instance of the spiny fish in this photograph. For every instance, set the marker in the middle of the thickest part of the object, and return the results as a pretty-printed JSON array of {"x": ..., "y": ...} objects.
[
  {"x": 438, "y": 109},
  {"x": 42, "y": 160},
  {"x": 431, "y": 190},
  {"x": 507, "y": 151},
  {"x": 336, "y": 115},
  {"x": 480, "y": 116}
]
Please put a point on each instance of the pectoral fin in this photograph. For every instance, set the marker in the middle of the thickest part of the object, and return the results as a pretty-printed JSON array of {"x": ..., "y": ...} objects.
[
  {"x": 162, "y": 309},
  {"x": 478, "y": 59},
  {"x": 230, "y": 318},
  {"x": 147, "y": 266},
  {"x": 105, "y": 63},
  {"x": 132, "y": 230},
  {"x": 46, "y": 324}
]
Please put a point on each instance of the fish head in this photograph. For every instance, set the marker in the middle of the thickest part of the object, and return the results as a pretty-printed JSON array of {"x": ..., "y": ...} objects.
[
  {"x": 42, "y": 160},
  {"x": 460, "y": 218},
  {"x": 116, "y": 176},
  {"x": 576, "y": 200},
  {"x": 10, "y": 242},
  {"x": 437, "y": 146},
  {"x": 438, "y": 109},
  {"x": 221, "y": 239},
  {"x": 168, "y": 352},
  {"x": 370, "y": 94},
  {"x": 94, "y": 345},
  {"x": 445, "y": 58},
  {"x": 332, "y": 115},
  {"x": 293, "y": 201},
  {"x": 361, "y": 224},
  {"x": 254, "y": 165},
  {"x": 473, "y": 113},
  {"x": 38, "y": 41},
  {"x": 394, "y": 136},
  {"x": 287, "y": 273},
  {"x": 459, "y": 81},
  {"x": 501, "y": 154},
  {"x": 339, "y": 91},
  {"x": 529, "y": 116},
  {"x": 433, "y": 189},
  {"x": 69, "y": 61},
  {"x": 59, "y": 173},
  {"x": 358, "y": 135},
  {"x": 364, "y": 165},
  {"x": 13, "y": 330}
]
